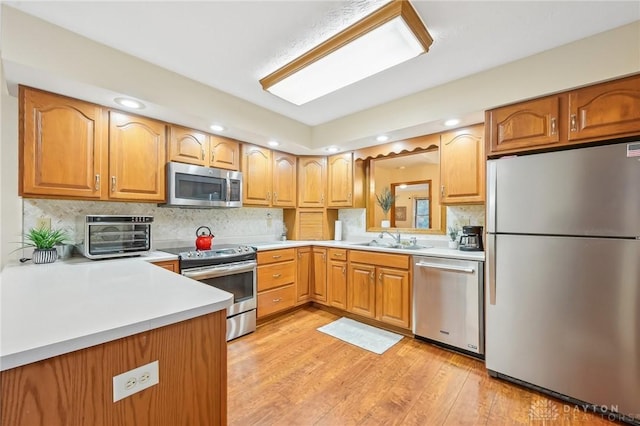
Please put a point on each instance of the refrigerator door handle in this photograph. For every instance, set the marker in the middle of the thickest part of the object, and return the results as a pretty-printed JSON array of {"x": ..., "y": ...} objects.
[
  {"x": 491, "y": 268},
  {"x": 492, "y": 183}
]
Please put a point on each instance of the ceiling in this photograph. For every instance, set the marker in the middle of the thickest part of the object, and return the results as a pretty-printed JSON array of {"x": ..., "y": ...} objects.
[{"x": 230, "y": 45}]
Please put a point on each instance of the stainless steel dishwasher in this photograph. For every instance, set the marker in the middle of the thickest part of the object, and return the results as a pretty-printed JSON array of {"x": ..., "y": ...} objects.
[{"x": 448, "y": 302}]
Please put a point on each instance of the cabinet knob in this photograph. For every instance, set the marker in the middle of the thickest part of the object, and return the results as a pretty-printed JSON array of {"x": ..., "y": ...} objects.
[
  {"x": 213, "y": 155},
  {"x": 97, "y": 182},
  {"x": 275, "y": 196},
  {"x": 554, "y": 129},
  {"x": 277, "y": 300},
  {"x": 268, "y": 195},
  {"x": 276, "y": 275},
  {"x": 349, "y": 197},
  {"x": 442, "y": 190},
  {"x": 202, "y": 154},
  {"x": 574, "y": 123},
  {"x": 380, "y": 277},
  {"x": 372, "y": 275},
  {"x": 276, "y": 256},
  {"x": 344, "y": 270},
  {"x": 113, "y": 184},
  {"x": 322, "y": 199}
]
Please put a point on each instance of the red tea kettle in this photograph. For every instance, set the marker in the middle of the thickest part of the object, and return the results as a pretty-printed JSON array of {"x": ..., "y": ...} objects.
[{"x": 203, "y": 242}]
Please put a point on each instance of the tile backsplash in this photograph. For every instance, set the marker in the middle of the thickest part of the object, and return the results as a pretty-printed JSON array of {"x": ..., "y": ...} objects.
[
  {"x": 244, "y": 225},
  {"x": 170, "y": 224}
]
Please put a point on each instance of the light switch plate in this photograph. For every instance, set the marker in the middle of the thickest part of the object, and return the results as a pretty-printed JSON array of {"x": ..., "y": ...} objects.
[{"x": 132, "y": 381}]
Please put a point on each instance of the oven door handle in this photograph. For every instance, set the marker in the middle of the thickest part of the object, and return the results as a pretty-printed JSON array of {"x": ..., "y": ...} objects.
[{"x": 220, "y": 271}]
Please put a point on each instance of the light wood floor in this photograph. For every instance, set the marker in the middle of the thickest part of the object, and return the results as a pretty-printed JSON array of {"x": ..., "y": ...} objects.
[{"x": 288, "y": 373}]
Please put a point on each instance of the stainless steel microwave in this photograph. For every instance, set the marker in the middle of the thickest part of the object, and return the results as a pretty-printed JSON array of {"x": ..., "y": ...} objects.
[
  {"x": 202, "y": 187},
  {"x": 107, "y": 236}
]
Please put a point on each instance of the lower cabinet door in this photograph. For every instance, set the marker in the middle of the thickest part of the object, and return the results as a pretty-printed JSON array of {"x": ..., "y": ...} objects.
[
  {"x": 337, "y": 284},
  {"x": 272, "y": 301},
  {"x": 394, "y": 300},
  {"x": 361, "y": 291}
]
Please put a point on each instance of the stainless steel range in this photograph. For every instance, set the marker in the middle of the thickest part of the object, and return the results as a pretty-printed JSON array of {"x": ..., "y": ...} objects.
[{"x": 230, "y": 268}]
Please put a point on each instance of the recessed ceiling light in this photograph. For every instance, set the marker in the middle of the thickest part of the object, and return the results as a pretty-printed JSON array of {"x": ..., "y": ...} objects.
[
  {"x": 129, "y": 103},
  {"x": 452, "y": 122},
  {"x": 382, "y": 138},
  {"x": 333, "y": 149},
  {"x": 217, "y": 128},
  {"x": 403, "y": 186},
  {"x": 273, "y": 143}
]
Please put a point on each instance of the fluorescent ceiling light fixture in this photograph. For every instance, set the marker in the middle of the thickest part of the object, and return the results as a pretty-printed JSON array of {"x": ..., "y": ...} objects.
[
  {"x": 451, "y": 122},
  {"x": 389, "y": 36},
  {"x": 273, "y": 143},
  {"x": 217, "y": 128},
  {"x": 382, "y": 138},
  {"x": 129, "y": 103}
]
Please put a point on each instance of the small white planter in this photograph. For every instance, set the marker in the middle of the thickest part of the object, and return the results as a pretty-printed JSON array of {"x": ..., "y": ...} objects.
[
  {"x": 385, "y": 224},
  {"x": 453, "y": 244}
]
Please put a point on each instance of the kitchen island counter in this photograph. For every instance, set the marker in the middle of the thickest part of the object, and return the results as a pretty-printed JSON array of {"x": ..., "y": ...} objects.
[{"x": 53, "y": 309}]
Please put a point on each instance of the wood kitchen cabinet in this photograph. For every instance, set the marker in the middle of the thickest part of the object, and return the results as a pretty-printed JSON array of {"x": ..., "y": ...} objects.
[
  {"x": 136, "y": 158},
  {"x": 170, "y": 265},
  {"x": 73, "y": 149},
  {"x": 588, "y": 114},
  {"x": 224, "y": 153},
  {"x": 284, "y": 179},
  {"x": 312, "y": 178},
  {"x": 276, "y": 281},
  {"x": 529, "y": 124},
  {"x": 256, "y": 175},
  {"x": 605, "y": 110},
  {"x": 63, "y": 147},
  {"x": 379, "y": 287},
  {"x": 201, "y": 149},
  {"x": 340, "y": 180},
  {"x": 269, "y": 177},
  {"x": 319, "y": 287},
  {"x": 337, "y": 278},
  {"x": 304, "y": 279},
  {"x": 310, "y": 224},
  {"x": 188, "y": 146},
  {"x": 462, "y": 166}
]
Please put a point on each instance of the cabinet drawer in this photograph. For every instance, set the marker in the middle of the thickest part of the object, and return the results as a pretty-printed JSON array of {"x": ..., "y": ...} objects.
[
  {"x": 276, "y": 275},
  {"x": 276, "y": 300},
  {"x": 380, "y": 259},
  {"x": 272, "y": 256},
  {"x": 337, "y": 254}
]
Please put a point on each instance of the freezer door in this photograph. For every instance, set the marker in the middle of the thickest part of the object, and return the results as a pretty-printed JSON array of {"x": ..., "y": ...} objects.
[
  {"x": 588, "y": 191},
  {"x": 564, "y": 314}
]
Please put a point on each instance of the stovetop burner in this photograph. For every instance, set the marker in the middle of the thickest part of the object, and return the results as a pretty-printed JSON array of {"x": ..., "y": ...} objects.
[{"x": 219, "y": 254}]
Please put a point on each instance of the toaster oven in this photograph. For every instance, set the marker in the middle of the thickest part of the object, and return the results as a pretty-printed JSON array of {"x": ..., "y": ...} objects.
[{"x": 107, "y": 236}]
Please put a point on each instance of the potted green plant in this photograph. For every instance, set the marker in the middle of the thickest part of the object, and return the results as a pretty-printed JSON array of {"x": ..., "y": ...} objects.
[
  {"x": 453, "y": 237},
  {"x": 45, "y": 241},
  {"x": 385, "y": 201}
]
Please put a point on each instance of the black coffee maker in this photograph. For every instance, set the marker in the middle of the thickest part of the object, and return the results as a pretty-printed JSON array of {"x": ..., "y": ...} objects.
[{"x": 471, "y": 238}]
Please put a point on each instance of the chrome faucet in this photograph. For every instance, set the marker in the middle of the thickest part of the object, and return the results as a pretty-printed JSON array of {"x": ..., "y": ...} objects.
[{"x": 395, "y": 237}]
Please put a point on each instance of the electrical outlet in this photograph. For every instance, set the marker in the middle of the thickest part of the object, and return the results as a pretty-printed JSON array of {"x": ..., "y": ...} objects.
[
  {"x": 43, "y": 223},
  {"x": 132, "y": 381}
]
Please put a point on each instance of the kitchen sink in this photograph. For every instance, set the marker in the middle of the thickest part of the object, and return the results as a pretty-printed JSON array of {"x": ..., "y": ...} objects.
[{"x": 388, "y": 244}]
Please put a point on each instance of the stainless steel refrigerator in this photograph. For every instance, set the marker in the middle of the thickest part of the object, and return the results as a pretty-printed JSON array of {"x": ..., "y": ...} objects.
[{"x": 563, "y": 273}]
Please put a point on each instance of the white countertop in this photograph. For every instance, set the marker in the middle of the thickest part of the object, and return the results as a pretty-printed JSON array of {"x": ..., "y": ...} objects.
[
  {"x": 353, "y": 245},
  {"x": 48, "y": 310}
]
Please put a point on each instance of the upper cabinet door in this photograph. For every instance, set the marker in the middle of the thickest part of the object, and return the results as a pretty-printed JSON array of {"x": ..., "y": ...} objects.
[
  {"x": 525, "y": 125},
  {"x": 340, "y": 180},
  {"x": 312, "y": 177},
  {"x": 136, "y": 158},
  {"x": 256, "y": 175},
  {"x": 605, "y": 110},
  {"x": 462, "y": 166},
  {"x": 284, "y": 179},
  {"x": 224, "y": 153},
  {"x": 188, "y": 146},
  {"x": 63, "y": 147}
]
